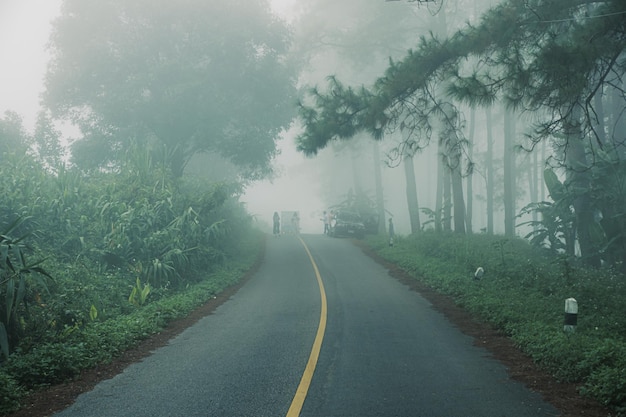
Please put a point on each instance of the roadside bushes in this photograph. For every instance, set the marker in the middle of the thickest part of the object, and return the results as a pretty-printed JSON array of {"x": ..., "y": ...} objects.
[
  {"x": 522, "y": 293},
  {"x": 99, "y": 341},
  {"x": 10, "y": 393},
  {"x": 101, "y": 235},
  {"x": 606, "y": 365}
]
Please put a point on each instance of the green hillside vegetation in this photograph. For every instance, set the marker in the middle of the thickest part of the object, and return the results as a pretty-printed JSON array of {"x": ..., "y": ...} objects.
[
  {"x": 93, "y": 263},
  {"x": 98, "y": 254},
  {"x": 523, "y": 294}
]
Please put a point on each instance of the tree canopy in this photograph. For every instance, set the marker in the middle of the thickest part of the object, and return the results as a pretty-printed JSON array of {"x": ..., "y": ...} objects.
[
  {"x": 536, "y": 54},
  {"x": 193, "y": 76},
  {"x": 560, "y": 61}
]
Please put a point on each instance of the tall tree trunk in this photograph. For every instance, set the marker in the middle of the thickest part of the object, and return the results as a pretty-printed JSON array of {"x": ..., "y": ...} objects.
[
  {"x": 578, "y": 177},
  {"x": 533, "y": 178},
  {"x": 542, "y": 180},
  {"x": 443, "y": 202},
  {"x": 457, "y": 196},
  {"x": 380, "y": 196},
  {"x": 470, "y": 185},
  {"x": 439, "y": 195},
  {"x": 509, "y": 174},
  {"x": 411, "y": 194},
  {"x": 454, "y": 156},
  {"x": 447, "y": 198},
  {"x": 489, "y": 169}
]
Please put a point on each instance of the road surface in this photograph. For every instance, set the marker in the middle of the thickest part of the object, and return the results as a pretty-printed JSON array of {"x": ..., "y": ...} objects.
[{"x": 321, "y": 330}]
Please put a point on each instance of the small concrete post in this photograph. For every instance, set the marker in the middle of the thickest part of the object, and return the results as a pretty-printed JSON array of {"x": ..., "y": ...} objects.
[
  {"x": 571, "y": 315},
  {"x": 479, "y": 273}
]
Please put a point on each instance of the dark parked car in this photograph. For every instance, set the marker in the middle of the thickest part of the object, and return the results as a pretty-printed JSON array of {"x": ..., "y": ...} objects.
[{"x": 347, "y": 224}]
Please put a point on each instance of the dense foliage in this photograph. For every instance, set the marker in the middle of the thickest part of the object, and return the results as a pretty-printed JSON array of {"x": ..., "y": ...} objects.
[
  {"x": 91, "y": 264},
  {"x": 96, "y": 256},
  {"x": 102, "y": 251},
  {"x": 522, "y": 292},
  {"x": 193, "y": 76},
  {"x": 561, "y": 63}
]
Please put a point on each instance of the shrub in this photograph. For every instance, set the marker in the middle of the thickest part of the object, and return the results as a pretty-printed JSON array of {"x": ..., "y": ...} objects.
[
  {"x": 522, "y": 293},
  {"x": 46, "y": 364},
  {"x": 606, "y": 365},
  {"x": 10, "y": 393}
]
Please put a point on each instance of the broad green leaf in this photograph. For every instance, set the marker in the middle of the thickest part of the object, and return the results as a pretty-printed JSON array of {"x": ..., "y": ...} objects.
[
  {"x": 4, "y": 340},
  {"x": 93, "y": 312},
  {"x": 21, "y": 291},
  {"x": 10, "y": 297}
]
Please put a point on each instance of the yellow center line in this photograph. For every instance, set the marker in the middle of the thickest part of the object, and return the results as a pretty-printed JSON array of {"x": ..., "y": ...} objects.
[{"x": 305, "y": 382}]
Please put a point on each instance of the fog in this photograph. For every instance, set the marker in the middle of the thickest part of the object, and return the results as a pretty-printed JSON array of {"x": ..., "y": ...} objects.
[
  {"x": 312, "y": 185},
  {"x": 296, "y": 188},
  {"x": 308, "y": 185},
  {"x": 23, "y": 37},
  {"x": 354, "y": 42}
]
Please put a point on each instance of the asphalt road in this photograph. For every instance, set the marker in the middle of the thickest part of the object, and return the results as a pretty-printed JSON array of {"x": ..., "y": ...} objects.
[{"x": 384, "y": 351}]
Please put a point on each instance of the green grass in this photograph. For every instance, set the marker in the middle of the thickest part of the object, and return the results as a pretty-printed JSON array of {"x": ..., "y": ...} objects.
[
  {"x": 62, "y": 357},
  {"x": 523, "y": 294}
]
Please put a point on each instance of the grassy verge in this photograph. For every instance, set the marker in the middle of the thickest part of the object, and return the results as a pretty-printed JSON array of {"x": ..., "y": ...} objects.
[
  {"x": 99, "y": 342},
  {"x": 523, "y": 293}
]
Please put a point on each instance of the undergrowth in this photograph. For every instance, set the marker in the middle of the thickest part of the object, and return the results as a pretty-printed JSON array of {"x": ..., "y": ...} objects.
[
  {"x": 94, "y": 342},
  {"x": 523, "y": 294}
]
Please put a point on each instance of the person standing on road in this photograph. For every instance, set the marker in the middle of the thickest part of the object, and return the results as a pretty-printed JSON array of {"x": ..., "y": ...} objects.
[
  {"x": 326, "y": 223},
  {"x": 295, "y": 222},
  {"x": 391, "y": 232},
  {"x": 276, "y": 224},
  {"x": 331, "y": 219}
]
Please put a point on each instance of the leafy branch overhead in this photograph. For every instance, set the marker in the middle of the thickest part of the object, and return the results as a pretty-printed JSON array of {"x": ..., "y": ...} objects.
[
  {"x": 533, "y": 55},
  {"x": 335, "y": 115}
]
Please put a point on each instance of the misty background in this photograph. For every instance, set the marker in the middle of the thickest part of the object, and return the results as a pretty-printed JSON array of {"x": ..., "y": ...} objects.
[
  {"x": 145, "y": 145},
  {"x": 328, "y": 36},
  {"x": 239, "y": 93}
]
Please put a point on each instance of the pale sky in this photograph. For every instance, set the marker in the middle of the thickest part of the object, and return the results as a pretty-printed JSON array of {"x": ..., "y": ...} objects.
[
  {"x": 24, "y": 30},
  {"x": 285, "y": 8}
]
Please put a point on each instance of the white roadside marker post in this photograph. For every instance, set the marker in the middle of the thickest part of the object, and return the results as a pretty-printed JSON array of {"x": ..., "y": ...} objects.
[
  {"x": 571, "y": 315},
  {"x": 479, "y": 273}
]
